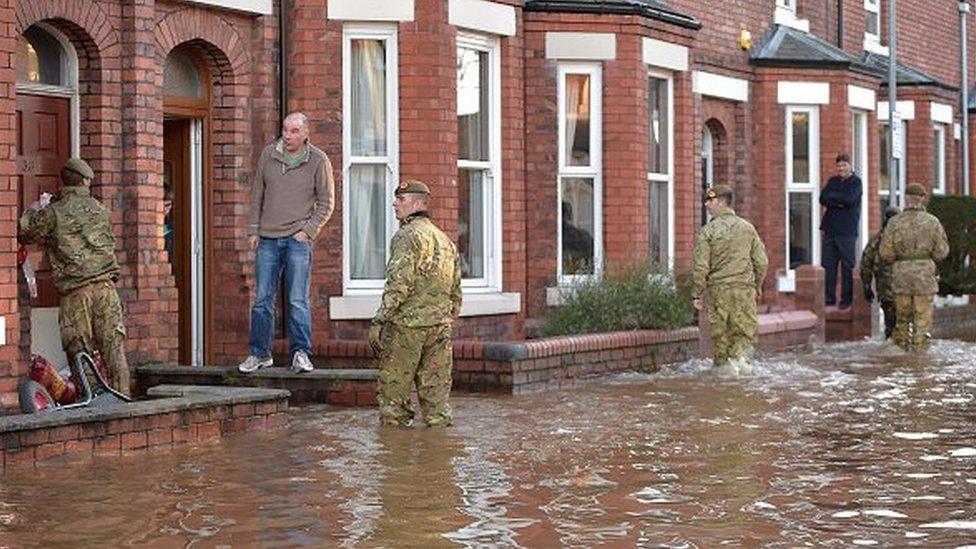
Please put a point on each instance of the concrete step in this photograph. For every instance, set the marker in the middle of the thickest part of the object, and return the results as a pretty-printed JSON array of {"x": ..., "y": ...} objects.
[{"x": 341, "y": 387}]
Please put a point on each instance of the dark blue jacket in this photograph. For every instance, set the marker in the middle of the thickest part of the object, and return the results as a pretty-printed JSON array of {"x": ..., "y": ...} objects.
[{"x": 842, "y": 198}]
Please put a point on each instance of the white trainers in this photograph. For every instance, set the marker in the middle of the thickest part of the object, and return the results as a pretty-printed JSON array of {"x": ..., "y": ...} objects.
[
  {"x": 254, "y": 363},
  {"x": 300, "y": 363}
]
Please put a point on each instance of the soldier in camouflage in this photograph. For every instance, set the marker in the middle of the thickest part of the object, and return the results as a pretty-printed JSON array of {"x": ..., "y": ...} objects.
[
  {"x": 914, "y": 241},
  {"x": 77, "y": 232},
  {"x": 730, "y": 268},
  {"x": 411, "y": 331},
  {"x": 874, "y": 269}
]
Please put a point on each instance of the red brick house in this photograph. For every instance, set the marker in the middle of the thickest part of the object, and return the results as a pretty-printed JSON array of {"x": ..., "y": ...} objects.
[{"x": 559, "y": 136}]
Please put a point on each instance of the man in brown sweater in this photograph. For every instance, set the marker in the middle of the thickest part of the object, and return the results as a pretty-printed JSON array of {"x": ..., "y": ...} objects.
[{"x": 292, "y": 198}]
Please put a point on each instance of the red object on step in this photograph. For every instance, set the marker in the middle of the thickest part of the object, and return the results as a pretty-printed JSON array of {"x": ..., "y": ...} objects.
[
  {"x": 60, "y": 389},
  {"x": 21, "y": 254}
]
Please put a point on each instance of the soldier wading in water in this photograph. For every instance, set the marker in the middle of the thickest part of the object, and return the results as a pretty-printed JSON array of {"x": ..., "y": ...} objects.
[{"x": 411, "y": 331}]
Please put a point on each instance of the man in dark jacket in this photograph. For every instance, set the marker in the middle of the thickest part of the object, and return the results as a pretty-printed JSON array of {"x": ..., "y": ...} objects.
[{"x": 842, "y": 199}]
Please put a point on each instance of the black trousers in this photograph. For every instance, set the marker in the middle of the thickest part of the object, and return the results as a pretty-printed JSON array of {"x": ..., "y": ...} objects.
[{"x": 838, "y": 248}]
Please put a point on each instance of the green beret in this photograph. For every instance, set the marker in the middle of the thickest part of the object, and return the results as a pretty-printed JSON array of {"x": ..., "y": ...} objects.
[
  {"x": 412, "y": 186},
  {"x": 915, "y": 189},
  {"x": 78, "y": 165},
  {"x": 891, "y": 211},
  {"x": 717, "y": 191}
]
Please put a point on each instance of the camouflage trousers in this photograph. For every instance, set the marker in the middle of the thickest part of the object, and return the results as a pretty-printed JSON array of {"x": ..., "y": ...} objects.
[
  {"x": 733, "y": 324},
  {"x": 421, "y": 356},
  {"x": 913, "y": 321},
  {"x": 91, "y": 320}
]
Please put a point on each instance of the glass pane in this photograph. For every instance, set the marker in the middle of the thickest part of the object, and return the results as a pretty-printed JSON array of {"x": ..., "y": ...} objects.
[
  {"x": 368, "y": 97},
  {"x": 801, "y": 229},
  {"x": 577, "y": 114},
  {"x": 472, "y": 104},
  {"x": 801, "y": 147},
  {"x": 367, "y": 216},
  {"x": 857, "y": 151},
  {"x": 939, "y": 161},
  {"x": 658, "y": 142},
  {"x": 657, "y": 222},
  {"x": 884, "y": 168},
  {"x": 181, "y": 78},
  {"x": 471, "y": 222},
  {"x": 40, "y": 58},
  {"x": 578, "y": 225},
  {"x": 872, "y": 23}
]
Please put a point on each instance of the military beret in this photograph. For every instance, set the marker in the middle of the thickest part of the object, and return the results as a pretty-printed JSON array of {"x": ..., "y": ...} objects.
[
  {"x": 76, "y": 164},
  {"x": 717, "y": 191},
  {"x": 915, "y": 189},
  {"x": 891, "y": 211},
  {"x": 417, "y": 187}
]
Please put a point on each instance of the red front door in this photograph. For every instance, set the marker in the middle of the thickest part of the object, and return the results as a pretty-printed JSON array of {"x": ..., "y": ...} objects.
[{"x": 43, "y": 146}]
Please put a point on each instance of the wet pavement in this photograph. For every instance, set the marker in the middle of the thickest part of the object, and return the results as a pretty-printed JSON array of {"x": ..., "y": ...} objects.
[{"x": 846, "y": 445}]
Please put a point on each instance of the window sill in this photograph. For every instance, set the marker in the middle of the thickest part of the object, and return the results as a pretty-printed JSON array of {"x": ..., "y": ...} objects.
[
  {"x": 786, "y": 17},
  {"x": 786, "y": 284},
  {"x": 556, "y": 296},
  {"x": 363, "y": 307},
  {"x": 873, "y": 45}
]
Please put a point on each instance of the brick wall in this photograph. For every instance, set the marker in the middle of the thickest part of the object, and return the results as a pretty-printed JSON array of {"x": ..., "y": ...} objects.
[{"x": 9, "y": 354}]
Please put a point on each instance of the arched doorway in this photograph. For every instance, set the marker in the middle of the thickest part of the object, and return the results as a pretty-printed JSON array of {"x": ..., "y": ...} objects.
[
  {"x": 707, "y": 167},
  {"x": 186, "y": 195},
  {"x": 46, "y": 64}
]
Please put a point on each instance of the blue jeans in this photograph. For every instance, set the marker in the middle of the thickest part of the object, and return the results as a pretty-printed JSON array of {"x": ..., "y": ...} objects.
[{"x": 289, "y": 259}]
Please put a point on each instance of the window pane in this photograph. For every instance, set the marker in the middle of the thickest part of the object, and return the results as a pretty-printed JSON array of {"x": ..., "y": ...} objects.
[
  {"x": 857, "y": 151},
  {"x": 40, "y": 58},
  {"x": 658, "y": 222},
  {"x": 471, "y": 222},
  {"x": 368, "y": 97},
  {"x": 884, "y": 169},
  {"x": 801, "y": 229},
  {"x": 578, "y": 225},
  {"x": 577, "y": 114},
  {"x": 871, "y": 20},
  {"x": 181, "y": 78},
  {"x": 367, "y": 217},
  {"x": 472, "y": 104},
  {"x": 658, "y": 135},
  {"x": 801, "y": 147}
]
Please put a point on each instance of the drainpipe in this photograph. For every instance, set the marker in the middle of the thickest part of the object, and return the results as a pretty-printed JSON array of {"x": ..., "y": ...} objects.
[
  {"x": 893, "y": 175},
  {"x": 282, "y": 63},
  {"x": 964, "y": 59},
  {"x": 840, "y": 24}
]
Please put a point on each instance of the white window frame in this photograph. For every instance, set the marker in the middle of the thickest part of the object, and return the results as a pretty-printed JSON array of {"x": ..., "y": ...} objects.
[
  {"x": 787, "y": 5},
  {"x": 388, "y": 33},
  {"x": 882, "y": 188},
  {"x": 492, "y": 214},
  {"x": 669, "y": 176},
  {"x": 812, "y": 187},
  {"x": 859, "y": 131},
  {"x": 594, "y": 170},
  {"x": 939, "y": 139},
  {"x": 872, "y": 7}
]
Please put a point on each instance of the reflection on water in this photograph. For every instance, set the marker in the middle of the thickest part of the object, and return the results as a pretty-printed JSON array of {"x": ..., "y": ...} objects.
[{"x": 850, "y": 444}]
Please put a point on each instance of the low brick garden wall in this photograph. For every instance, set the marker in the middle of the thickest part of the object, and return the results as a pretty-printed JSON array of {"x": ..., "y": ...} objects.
[
  {"x": 177, "y": 415},
  {"x": 955, "y": 321}
]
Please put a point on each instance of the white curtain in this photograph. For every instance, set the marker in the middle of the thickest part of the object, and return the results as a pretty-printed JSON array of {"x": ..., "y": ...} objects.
[{"x": 577, "y": 110}]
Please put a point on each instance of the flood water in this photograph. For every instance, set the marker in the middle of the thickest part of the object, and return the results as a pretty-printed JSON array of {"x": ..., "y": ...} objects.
[{"x": 842, "y": 446}]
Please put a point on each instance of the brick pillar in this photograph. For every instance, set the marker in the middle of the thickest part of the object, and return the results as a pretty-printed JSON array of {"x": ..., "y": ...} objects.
[
  {"x": 149, "y": 318},
  {"x": 809, "y": 295},
  {"x": 10, "y": 366},
  {"x": 865, "y": 314}
]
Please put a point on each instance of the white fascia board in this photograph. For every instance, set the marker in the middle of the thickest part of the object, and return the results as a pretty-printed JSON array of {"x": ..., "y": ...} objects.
[
  {"x": 861, "y": 98},
  {"x": 716, "y": 85},
  {"x": 259, "y": 7},
  {"x": 941, "y": 113},
  {"x": 483, "y": 16},
  {"x": 364, "y": 307},
  {"x": 371, "y": 10},
  {"x": 905, "y": 108},
  {"x": 583, "y": 46},
  {"x": 803, "y": 93},
  {"x": 665, "y": 54}
]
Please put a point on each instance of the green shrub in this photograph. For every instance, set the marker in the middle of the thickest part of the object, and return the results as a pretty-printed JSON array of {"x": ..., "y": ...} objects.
[
  {"x": 958, "y": 216},
  {"x": 633, "y": 297}
]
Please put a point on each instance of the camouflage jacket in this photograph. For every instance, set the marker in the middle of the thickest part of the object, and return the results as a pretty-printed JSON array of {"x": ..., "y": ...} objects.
[
  {"x": 77, "y": 232},
  {"x": 914, "y": 240},
  {"x": 874, "y": 268},
  {"x": 728, "y": 254},
  {"x": 423, "y": 277}
]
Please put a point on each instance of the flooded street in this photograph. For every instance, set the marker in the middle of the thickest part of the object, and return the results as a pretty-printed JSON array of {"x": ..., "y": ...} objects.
[{"x": 844, "y": 446}]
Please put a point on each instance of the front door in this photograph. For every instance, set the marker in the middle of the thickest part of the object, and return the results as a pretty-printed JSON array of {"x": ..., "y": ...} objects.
[{"x": 43, "y": 147}]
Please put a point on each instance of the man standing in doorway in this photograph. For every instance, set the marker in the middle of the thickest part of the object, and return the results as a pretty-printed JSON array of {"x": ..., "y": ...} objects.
[
  {"x": 411, "y": 331},
  {"x": 77, "y": 232},
  {"x": 292, "y": 198},
  {"x": 842, "y": 199},
  {"x": 914, "y": 240},
  {"x": 730, "y": 264}
]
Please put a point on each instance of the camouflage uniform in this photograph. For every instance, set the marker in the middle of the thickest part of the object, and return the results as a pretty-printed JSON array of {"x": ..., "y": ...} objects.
[
  {"x": 421, "y": 300},
  {"x": 873, "y": 268},
  {"x": 730, "y": 263},
  {"x": 914, "y": 241},
  {"x": 77, "y": 232}
]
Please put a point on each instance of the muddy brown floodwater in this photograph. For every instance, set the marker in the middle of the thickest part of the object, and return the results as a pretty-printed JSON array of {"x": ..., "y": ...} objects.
[{"x": 842, "y": 446}]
